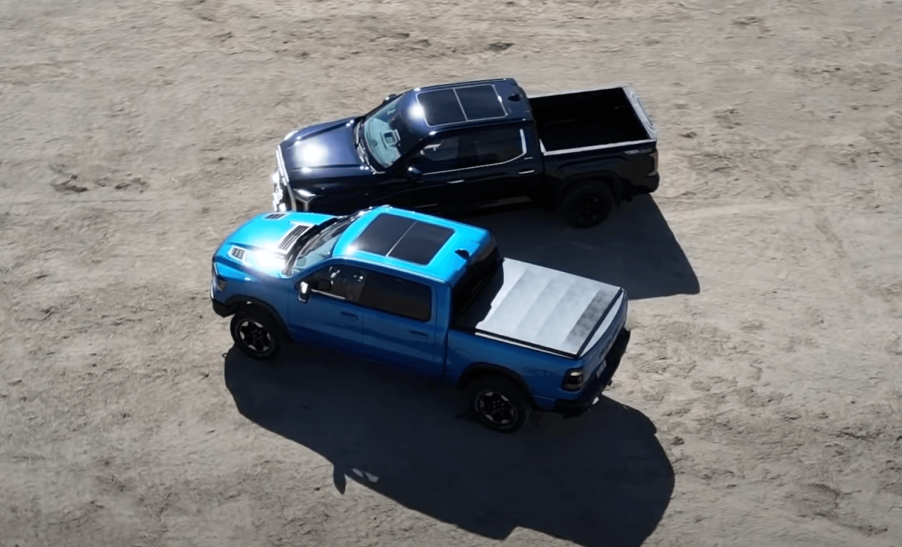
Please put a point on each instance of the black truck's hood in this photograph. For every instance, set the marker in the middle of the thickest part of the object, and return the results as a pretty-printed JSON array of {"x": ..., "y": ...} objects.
[{"x": 321, "y": 152}]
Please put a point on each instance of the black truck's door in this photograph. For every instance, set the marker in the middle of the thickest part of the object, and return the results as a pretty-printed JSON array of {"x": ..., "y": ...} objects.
[{"x": 469, "y": 169}]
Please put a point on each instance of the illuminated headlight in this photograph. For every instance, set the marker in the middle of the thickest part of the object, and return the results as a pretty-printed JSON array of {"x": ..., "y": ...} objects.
[{"x": 574, "y": 380}]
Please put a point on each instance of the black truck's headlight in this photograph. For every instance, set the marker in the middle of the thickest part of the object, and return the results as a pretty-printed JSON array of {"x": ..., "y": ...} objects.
[{"x": 574, "y": 380}]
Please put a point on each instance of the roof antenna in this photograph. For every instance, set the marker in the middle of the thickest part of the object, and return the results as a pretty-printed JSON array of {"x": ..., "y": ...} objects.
[{"x": 463, "y": 253}]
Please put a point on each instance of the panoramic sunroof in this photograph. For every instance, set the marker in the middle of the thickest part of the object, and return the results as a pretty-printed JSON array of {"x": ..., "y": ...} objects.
[
  {"x": 444, "y": 106},
  {"x": 403, "y": 238}
]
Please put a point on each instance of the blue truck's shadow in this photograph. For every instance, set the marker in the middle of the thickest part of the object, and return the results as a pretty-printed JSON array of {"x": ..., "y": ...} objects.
[
  {"x": 634, "y": 248},
  {"x": 601, "y": 479}
]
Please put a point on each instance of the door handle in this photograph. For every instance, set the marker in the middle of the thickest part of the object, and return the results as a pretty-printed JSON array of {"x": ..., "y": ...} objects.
[
  {"x": 527, "y": 172},
  {"x": 455, "y": 181},
  {"x": 346, "y": 314},
  {"x": 419, "y": 334}
]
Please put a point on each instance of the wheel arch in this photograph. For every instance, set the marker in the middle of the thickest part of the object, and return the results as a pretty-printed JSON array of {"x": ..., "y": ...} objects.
[
  {"x": 239, "y": 303},
  {"x": 608, "y": 178},
  {"x": 477, "y": 371}
]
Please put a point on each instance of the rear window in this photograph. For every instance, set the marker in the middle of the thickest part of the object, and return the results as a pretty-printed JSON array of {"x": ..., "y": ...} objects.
[
  {"x": 479, "y": 271},
  {"x": 397, "y": 296}
]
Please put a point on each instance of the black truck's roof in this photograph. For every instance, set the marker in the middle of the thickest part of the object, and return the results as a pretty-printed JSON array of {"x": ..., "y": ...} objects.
[{"x": 464, "y": 104}]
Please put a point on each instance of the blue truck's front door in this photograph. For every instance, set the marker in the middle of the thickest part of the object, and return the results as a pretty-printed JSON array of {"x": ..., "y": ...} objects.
[
  {"x": 329, "y": 316},
  {"x": 399, "y": 328}
]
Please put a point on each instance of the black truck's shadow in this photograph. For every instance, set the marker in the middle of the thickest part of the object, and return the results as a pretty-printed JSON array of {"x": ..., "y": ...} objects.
[
  {"x": 598, "y": 480},
  {"x": 634, "y": 248}
]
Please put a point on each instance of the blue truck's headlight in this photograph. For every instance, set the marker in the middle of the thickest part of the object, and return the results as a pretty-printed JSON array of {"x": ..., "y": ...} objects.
[
  {"x": 218, "y": 282},
  {"x": 574, "y": 380}
]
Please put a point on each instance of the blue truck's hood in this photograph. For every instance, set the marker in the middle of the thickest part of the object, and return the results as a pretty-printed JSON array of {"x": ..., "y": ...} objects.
[
  {"x": 260, "y": 239},
  {"x": 323, "y": 150}
]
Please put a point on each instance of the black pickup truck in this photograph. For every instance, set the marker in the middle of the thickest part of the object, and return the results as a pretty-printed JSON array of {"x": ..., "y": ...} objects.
[{"x": 453, "y": 147}]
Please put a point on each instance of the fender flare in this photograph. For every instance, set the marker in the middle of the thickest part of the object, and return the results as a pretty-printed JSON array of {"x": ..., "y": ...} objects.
[
  {"x": 475, "y": 371},
  {"x": 609, "y": 178},
  {"x": 236, "y": 303}
]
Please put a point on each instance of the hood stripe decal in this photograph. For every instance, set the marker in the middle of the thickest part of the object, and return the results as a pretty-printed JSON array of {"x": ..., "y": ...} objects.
[{"x": 292, "y": 236}]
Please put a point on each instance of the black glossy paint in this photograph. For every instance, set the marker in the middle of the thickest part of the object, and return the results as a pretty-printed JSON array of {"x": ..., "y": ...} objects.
[{"x": 324, "y": 160}]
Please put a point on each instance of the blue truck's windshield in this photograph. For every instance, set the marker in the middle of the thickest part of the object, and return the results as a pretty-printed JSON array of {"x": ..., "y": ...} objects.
[
  {"x": 386, "y": 137},
  {"x": 319, "y": 246}
]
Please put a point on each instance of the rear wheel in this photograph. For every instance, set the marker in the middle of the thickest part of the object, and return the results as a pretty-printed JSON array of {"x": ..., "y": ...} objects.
[
  {"x": 499, "y": 403},
  {"x": 257, "y": 334},
  {"x": 587, "y": 204}
]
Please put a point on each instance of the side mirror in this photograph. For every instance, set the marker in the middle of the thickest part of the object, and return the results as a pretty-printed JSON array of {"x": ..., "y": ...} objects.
[
  {"x": 413, "y": 172},
  {"x": 389, "y": 98}
]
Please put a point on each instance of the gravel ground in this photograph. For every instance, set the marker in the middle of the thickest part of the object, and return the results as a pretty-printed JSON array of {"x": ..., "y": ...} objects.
[{"x": 758, "y": 403}]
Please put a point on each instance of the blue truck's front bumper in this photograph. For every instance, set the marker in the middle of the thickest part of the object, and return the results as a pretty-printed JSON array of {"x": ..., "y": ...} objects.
[{"x": 574, "y": 407}]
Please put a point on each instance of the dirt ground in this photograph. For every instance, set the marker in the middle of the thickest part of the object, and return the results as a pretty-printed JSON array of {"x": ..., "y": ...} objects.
[{"x": 758, "y": 403}]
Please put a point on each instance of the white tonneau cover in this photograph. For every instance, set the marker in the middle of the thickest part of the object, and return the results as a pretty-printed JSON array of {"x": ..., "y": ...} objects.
[{"x": 540, "y": 307}]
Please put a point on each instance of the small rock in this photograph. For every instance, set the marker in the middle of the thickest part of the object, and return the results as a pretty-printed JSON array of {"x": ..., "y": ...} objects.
[
  {"x": 677, "y": 441},
  {"x": 16, "y": 382},
  {"x": 688, "y": 134}
]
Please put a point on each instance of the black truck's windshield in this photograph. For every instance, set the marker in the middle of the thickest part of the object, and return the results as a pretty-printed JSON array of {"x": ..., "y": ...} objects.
[{"x": 386, "y": 135}]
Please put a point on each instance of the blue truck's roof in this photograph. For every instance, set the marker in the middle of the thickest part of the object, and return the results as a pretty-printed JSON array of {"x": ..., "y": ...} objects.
[
  {"x": 407, "y": 241},
  {"x": 464, "y": 104}
]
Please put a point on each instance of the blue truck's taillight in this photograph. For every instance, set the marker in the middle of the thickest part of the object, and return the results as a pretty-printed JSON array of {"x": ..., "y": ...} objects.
[{"x": 574, "y": 380}]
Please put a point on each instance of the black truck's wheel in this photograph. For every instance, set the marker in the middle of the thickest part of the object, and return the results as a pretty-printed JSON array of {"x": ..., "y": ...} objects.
[
  {"x": 499, "y": 404},
  {"x": 257, "y": 333},
  {"x": 587, "y": 204}
]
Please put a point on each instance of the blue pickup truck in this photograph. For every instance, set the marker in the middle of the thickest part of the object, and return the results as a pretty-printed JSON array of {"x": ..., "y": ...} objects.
[
  {"x": 427, "y": 295},
  {"x": 452, "y": 148}
]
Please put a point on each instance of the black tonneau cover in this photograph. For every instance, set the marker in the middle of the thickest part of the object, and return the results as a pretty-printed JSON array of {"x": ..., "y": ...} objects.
[{"x": 540, "y": 307}]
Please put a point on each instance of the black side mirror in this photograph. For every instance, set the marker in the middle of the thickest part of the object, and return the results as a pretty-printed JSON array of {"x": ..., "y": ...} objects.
[
  {"x": 389, "y": 98},
  {"x": 413, "y": 172}
]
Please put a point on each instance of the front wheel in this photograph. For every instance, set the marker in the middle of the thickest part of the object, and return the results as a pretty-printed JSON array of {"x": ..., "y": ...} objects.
[
  {"x": 499, "y": 404},
  {"x": 587, "y": 204},
  {"x": 257, "y": 334}
]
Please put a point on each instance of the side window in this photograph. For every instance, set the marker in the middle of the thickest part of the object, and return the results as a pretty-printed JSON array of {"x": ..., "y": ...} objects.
[
  {"x": 490, "y": 147},
  {"x": 397, "y": 296},
  {"x": 342, "y": 282},
  {"x": 439, "y": 155}
]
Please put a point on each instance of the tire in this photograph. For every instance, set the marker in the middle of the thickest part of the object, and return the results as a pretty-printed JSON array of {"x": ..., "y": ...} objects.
[
  {"x": 587, "y": 204},
  {"x": 499, "y": 404},
  {"x": 257, "y": 334}
]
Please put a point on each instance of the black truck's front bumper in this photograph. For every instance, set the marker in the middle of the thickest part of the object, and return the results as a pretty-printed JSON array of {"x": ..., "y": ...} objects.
[{"x": 574, "y": 407}]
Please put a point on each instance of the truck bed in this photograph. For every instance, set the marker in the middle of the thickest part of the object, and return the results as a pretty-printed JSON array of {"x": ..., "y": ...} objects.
[
  {"x": 585, "y": 119},
  {"x": 541, "y": 308}
]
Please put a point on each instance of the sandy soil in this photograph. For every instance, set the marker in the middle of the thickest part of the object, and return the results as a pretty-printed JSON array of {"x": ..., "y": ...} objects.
[{"x": 759, "y": 403}]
